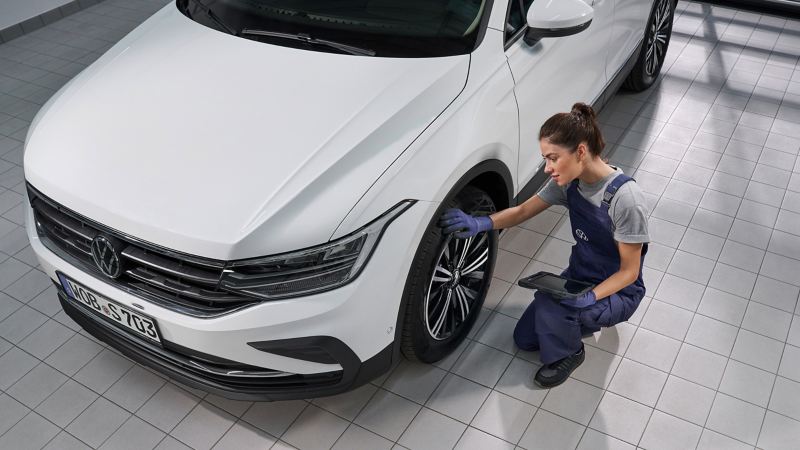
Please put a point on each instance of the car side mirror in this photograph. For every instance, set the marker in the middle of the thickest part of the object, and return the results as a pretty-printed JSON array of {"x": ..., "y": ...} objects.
[{"x": 557, "y": 18}]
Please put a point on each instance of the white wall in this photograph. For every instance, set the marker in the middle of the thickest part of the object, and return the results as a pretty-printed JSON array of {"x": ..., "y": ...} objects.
[{"x": 13, "y": 12}]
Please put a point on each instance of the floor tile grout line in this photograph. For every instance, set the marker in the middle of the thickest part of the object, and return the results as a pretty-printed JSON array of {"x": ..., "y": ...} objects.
[
  {"x": 725, "y": 237},
  {"x": 30, "y": 411},
  {"x": 66, "y": 378},
  {"x": 16, "y": 344},
  {"x": 216, "y": 407},
  {"x": 605, "y": 390},
  {"x": 666, "y": 271},
  {"x": 47, "y": 72},
  {"x": 738, "y": 332},
  {"x": 687, "y": 227},
  {"x": 671, "y": 374},
  {"x": 783, "y": 350},
  {"x": 535, "y": 411},
  {"x": 720, "y": 432},
  {"x": 363, "y": 407},
  {"x": 423, "y": 404},
  {"x": 287, "y": 428},
  {"x": 86, "y": 409},
  {"x": 128, "y": 419},
  {"x": 135, "y": 413},
  {"x": 692, "y": 321},
  {"x": 34, "y": 36},
  {"x": 683, "y": 341},
  {"x": 19, "y": 420}
]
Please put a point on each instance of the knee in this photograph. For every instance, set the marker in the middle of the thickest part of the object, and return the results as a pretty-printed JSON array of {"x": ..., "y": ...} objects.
[
  {"x": 526, "y": 339},
  {"x": 525, "y": 334}
]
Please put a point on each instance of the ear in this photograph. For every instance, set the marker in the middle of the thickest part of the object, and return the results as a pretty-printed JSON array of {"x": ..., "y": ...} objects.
[{"x": 582, "y": 151}]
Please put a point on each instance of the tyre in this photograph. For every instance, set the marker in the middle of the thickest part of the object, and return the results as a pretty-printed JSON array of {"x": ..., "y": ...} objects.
[
  {"x": 447, "y": 283},
  {"x": 654, "y": 47}
]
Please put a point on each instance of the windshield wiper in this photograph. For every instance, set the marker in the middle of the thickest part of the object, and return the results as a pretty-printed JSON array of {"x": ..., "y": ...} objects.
[
  {"x": 211, "y": 14},
  {"x": 310, "y": 40}
]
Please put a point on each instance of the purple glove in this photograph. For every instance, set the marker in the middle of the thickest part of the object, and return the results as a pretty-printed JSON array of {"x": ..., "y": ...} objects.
[
  {"x": 455, "y": 219},
  {"x": 582, "y": 301}
]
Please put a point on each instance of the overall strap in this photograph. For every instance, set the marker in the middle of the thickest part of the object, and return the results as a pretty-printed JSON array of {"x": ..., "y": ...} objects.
[
  {"x": 573, "y": 184},
  {"x": 612, "y": 189}
]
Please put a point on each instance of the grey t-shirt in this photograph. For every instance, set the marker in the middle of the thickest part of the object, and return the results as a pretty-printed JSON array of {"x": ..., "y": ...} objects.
[{"x": 628, "y": 209}]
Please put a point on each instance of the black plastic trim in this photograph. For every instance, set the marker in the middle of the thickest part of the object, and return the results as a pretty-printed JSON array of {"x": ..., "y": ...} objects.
[
  {"x": 781, "y": 8},
  {"x": 534, "y": 35},
  {"x": 508, "y": 40},
  {"x": 354, "y": 372},
  {"x": 318, "y": 349},
  {"x": 484, "y": 25},
  {"x": 515, "y": 37}
]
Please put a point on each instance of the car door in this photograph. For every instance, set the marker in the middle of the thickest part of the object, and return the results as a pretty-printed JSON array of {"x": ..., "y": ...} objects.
[
  {"x": 553, "y": 74},
  {"x": 630, "y": 20}
]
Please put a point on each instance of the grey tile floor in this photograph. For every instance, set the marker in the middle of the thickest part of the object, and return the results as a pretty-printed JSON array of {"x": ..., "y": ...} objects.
[{"x": 711, "y": 360}]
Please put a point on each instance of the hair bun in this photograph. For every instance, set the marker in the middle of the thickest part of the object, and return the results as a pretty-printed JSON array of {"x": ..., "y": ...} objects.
[{"x": 584, "y": 110}]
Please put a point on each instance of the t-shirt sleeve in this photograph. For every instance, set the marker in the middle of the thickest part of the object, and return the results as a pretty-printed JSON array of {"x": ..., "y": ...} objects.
[
  {"x": 553, "y": 194},
  {"x": 629, "y": 215}
]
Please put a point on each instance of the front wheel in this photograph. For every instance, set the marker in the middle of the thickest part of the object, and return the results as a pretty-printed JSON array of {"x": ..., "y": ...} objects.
[
  {"x": 447, "y": 283},
  {"x": 654, "y": 47}
]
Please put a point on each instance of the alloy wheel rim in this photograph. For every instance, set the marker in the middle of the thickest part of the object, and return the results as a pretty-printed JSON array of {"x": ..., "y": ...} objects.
[
  {"x": 456, "y": 284},
  {"x": 658, "y": 37}
]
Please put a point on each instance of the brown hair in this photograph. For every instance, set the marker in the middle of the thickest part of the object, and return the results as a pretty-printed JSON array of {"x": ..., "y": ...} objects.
[{"x": 570, "y": 129}]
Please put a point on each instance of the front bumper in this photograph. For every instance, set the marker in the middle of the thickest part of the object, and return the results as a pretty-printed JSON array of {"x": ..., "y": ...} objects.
[
  {"x": 354, "y": 326},
  {"x": 227, "y": 378}
]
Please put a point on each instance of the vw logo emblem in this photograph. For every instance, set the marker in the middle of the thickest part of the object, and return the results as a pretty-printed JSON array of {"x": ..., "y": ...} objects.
[
  {"x": 106, "y": 257},
  {"x": 581, "y": 234}
]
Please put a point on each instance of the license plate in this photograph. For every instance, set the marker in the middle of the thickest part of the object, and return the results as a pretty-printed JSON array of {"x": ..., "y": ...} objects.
[{"x": 127, "y": 318}]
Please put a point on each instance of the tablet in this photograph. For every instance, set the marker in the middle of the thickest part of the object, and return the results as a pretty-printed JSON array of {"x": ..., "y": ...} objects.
[{"x": 556, "y": 285}]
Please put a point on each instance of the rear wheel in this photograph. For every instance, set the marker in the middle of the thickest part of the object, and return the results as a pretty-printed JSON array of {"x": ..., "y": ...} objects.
[
  {"x": 447, "y": 284},
  {"x": 654, "y": 47}
]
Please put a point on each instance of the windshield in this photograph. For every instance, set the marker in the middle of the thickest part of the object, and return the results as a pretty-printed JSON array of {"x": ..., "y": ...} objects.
[{"x": 393, "y": 28}]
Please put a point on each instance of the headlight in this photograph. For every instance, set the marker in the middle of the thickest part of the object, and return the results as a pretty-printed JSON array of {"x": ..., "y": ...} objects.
[{"x": 311, "y": 270}]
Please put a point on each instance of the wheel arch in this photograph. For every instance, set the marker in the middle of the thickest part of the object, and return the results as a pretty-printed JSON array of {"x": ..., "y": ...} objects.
[{"x": 492, "y": 176}]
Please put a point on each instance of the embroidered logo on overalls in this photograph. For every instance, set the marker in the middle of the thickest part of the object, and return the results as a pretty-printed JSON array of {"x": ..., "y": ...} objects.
[{"x": 581, "y": 234}]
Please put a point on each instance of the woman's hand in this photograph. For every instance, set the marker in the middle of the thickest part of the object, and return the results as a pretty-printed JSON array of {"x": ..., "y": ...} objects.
[
  {"x": 455, "y": 219},
  {"x": 582, "y": 301}
]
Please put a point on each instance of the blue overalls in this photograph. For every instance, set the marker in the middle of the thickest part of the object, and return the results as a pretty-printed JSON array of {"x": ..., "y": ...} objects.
[{"x": 556, "y": 329}]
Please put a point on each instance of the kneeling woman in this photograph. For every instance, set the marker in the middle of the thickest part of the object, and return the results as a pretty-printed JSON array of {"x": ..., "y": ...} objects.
[{"x": 608, "y": 217}]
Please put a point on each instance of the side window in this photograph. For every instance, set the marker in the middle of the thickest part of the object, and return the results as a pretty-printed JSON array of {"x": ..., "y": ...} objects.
[{"x": 517, "y": 13}]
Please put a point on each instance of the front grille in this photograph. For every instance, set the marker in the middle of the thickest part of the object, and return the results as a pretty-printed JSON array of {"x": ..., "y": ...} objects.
[{"x": 184, "y": 283}]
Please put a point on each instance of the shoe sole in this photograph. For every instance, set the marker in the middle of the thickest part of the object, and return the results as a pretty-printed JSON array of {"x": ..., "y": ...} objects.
[{"x": 548, "y": 386}]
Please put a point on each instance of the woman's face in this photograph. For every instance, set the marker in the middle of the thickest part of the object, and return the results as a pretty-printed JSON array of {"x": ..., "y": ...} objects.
[{"x": 561, "y": 164}]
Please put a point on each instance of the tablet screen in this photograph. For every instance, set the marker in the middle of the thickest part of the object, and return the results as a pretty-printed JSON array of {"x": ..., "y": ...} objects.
[{"x": 555, "y": 283}]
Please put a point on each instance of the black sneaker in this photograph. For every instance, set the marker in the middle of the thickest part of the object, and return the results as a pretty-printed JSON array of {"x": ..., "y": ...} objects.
[{"x": 553, "y": 374}]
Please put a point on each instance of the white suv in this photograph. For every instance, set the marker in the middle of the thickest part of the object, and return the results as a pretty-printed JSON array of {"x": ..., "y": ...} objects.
[{"x": 244, "y": 195}]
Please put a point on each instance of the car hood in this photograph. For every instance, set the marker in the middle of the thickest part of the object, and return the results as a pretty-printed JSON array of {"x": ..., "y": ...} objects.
[{"x": 213, "y": 145}]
